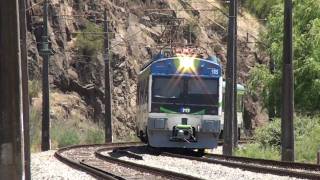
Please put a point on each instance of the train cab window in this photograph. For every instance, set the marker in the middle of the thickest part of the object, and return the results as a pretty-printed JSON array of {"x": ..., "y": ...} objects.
[
  {"x": 203, "y": 91},
  {"x": 203, "y": 86},
  {"x": 167, "y": 88}
]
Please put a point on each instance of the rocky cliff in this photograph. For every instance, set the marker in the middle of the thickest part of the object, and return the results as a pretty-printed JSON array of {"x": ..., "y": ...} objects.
[{"x": 137, "y": 30}]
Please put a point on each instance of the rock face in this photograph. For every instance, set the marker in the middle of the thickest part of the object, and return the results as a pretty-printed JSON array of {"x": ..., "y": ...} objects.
[{"x": 135, "y": 35}]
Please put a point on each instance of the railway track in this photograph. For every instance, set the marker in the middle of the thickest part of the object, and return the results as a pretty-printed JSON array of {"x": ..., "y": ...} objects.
[
  {"x": 88, "y": 158},
  {"x": 298, "y": 170},
  {"x": 82, "y": 157},
  {"x": 93, "y": 159}
]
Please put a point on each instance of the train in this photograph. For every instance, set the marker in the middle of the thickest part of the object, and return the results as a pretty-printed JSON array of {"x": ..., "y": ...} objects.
[{"x": 179, "y": 102}]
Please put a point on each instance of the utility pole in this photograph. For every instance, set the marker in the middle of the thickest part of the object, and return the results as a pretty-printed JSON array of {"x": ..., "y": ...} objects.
[
  {"x": 25, "y": 92},
  {"x": 287, "y": 130},
  {"x": 45, "y": 52},
  {"x": 108, "y": 110},
  {"x": 235, "y": 120},
  {"x": 229, "y": 112},
  {"x": 11, "y": 113}
]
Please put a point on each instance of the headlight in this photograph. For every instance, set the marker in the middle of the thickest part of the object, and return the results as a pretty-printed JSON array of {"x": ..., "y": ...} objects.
[
  {"x": 210, "y": 126},
  {"x": 157, "y": 123}
]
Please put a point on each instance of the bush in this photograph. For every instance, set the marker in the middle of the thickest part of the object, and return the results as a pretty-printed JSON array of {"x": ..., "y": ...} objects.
[
  {"x": 94, "y": 136},
  {"x": 267, "y": 140},
  {"x": 73, "y": 132},
  {"x": 257, "y": 151},
  {"x": 68, "y": 137},
  {"x": 90, "y": 44},
  {"x": 269, "y": 135},
  {"x": 260, "y": 8},
  {"x": 308, "y": 145}
]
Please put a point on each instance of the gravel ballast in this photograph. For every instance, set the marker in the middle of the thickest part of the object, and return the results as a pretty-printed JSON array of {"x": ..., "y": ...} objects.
[
  {"x": 201, "y": 169},
  {"x": 45, "y": 166}
]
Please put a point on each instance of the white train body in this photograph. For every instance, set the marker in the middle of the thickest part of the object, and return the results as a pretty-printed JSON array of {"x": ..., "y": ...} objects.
[{"x": 180, "y": 107}]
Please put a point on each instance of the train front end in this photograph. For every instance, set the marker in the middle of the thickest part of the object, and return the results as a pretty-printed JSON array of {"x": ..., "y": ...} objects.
[{"x": 184, "y": 103}]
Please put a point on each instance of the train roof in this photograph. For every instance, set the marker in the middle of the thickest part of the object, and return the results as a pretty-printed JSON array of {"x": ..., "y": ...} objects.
[{"x": 177, "y": 65}]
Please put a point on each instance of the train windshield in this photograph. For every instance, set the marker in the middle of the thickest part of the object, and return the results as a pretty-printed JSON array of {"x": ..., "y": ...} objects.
[
  {"x": 202, "y": 91},
  {"x": 193, "y": 91},
  {"x": 167, "y": 89}
]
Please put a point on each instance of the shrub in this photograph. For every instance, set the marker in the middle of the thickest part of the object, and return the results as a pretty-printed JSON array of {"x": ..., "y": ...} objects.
[
  {"x": 68, "y": 137},
  {"x": 90, "y": 44},
  {"x": 257, "y": 151},
  {"x": 268, "y": 140},
  {"x": 260, "y": 8},
  {"x": 94, "y": 136},
  {"x": 308, "y": 145},
  {"x": 269, "y": 135}
]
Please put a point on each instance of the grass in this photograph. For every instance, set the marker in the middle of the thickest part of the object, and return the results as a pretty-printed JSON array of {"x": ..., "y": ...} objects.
[
  {"x": 256, "y": 151},
  {"x": 73, "y": 132},
  {"x": 35, "y": 129},
  {"x": 64, "y": 133},
  {"x": 66, "y": 128},
  {"x": 267, "y": 140}
]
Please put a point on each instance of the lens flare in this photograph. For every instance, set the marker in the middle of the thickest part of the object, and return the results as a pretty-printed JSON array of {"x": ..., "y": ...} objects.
[{"x": 186, "y": 62}]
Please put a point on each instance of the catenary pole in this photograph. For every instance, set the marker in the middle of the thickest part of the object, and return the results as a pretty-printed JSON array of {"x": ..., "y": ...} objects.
[
  {"x": 287, "y": 130},
  {"x": 25, "y": 92},
  {"x": 11, "y": 113},
  {"x": 45, "y": 52},
  {"x": 108, "y": 110},
  {"x": 235, "y": 120},
  {"x": 229, "y": 93}
]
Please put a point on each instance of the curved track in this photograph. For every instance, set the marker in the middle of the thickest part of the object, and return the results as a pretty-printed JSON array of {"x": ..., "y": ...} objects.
[
  {"x": 88, "y": 158},
  {"x": 82, "y": 157},
  {"x": 91, "y": 159},
  {"x": 299, "y": 170}
]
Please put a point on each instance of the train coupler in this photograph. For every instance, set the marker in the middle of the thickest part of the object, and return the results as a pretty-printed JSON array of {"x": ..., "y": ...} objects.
[{"x": 183, "y": 133}]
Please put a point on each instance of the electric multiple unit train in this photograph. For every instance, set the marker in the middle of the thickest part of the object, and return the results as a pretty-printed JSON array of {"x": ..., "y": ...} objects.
[{"x": 179, "y": 102}]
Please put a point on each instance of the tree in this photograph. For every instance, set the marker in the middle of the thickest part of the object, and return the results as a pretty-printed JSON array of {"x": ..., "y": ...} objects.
[{"x": 306, "y": 56}]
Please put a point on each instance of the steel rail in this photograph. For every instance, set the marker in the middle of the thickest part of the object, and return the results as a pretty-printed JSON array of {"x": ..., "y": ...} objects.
[
  {"x": 282, "y": 164},
  {"x": 143, "y": 168},
  {"x": 254, "y": 167},
  {"x": 96, "y": 172},
  {"x": 241, "y": 141}
]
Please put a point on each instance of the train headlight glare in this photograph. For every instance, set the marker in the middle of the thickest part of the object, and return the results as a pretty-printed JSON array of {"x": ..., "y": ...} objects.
[{"x": 186, "y": 62}]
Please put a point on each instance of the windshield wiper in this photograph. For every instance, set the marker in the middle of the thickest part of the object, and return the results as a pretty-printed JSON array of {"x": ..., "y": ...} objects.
[{"x": 165, "y": 97}]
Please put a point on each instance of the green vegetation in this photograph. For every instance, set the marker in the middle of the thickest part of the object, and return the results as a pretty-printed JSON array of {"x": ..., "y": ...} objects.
[
  {"x": 267, "y": 140},
  {"x": 306, "y": 41},
  {"x": 255, "y": 150},
  {"x": 35, "y": 129},
  {"x": 88, "y": 42},
  {"x": 260, "y": 8},
  {"x": 72, "y": 132},
  {"x": 64, "y": 133},
  {"x": 34, "y": 88}
]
